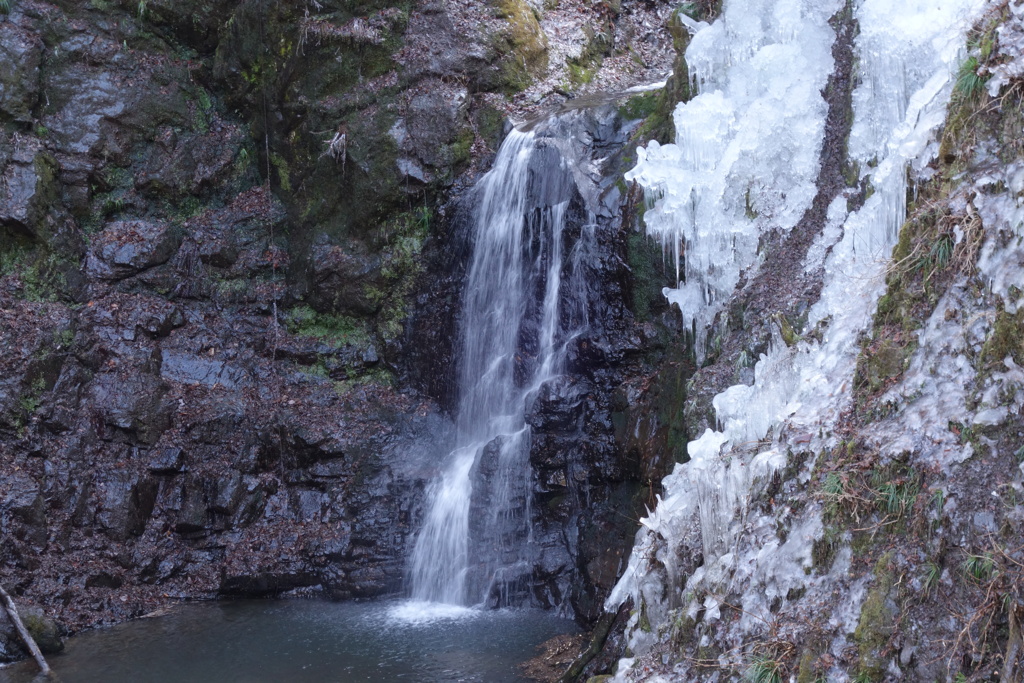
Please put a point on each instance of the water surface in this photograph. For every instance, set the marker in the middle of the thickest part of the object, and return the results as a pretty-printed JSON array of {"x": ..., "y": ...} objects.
[{"x": 254, "y": 641}]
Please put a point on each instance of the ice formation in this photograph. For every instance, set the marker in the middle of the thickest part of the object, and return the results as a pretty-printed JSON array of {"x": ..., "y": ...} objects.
[
  {"x": 744, "y": 162},
  {"x": 747, "y": 148}
]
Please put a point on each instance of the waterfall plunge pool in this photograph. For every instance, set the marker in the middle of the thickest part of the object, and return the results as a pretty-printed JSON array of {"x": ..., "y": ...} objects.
[{"x": 298, "y": 641}]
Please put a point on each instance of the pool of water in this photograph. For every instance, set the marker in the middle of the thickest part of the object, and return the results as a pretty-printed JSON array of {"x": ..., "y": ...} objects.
[{"x": 253, "y": 641}]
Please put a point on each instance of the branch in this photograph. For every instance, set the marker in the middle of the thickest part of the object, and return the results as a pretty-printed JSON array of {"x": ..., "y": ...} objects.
[{"x": 25, "y": 635}]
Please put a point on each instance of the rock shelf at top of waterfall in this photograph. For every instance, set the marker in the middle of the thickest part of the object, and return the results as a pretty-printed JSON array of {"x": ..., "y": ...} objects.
[{"x": 473, "y": 547}]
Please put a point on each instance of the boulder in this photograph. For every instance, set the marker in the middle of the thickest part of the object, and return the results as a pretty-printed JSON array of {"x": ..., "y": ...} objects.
[
  {"x": 133, "y": 403},
  {"x": 27, "y": 191},
  {"x": 125, "y": 248},
  {"x": 344, "y": 278},
  {"x": 20, "y": 496},
  {"x": 44, "y": 630},
  {"x": 21, "y": 52},
  {"x": 126, "y": 503},
  {"x": 82, "y": 99}
]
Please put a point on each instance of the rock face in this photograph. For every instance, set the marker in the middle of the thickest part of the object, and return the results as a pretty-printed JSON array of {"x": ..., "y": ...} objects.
[
  {"x": 591, "y": 477},
  {"x": 227, "y": 294}
]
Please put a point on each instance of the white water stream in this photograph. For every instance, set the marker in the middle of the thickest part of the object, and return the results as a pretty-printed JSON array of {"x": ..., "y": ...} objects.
[{"x": 510, "y": 347}]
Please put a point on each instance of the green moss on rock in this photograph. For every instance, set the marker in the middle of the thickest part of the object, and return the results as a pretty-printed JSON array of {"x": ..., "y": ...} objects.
[
  {"x": 1006, "y": 339},
  {"x": 523, "y": 46},
  {"x": 878, "y": 620}
]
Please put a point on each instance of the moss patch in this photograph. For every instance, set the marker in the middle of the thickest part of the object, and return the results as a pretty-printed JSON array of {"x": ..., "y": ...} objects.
[
  {"x": 523, "y": 45},
  {"x": 335, "y": 330},
  {"x": 878, "y": 621},
  {"x": 38, "y": 275},
  {"x": 926, "y": 259},
  {"x": 401, "y": 267},
  {"x": 1006, "y": 339},
  {"x": 644, "y": 258}
]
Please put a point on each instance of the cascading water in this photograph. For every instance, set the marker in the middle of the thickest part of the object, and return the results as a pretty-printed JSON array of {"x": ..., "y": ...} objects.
[{"x": 511, "y": 346}]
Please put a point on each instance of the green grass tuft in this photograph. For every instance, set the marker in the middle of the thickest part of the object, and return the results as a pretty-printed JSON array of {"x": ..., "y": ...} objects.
[
  {"x": 764, "y": 669},
  {"x": 969, "y": 85},
  {"x": 979, "y": 568}
]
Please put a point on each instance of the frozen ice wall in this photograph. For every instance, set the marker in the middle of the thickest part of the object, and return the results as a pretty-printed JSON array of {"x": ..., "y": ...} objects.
[
  {"x": 744, "y": 162},
  {"x": 747, "y": 147}
]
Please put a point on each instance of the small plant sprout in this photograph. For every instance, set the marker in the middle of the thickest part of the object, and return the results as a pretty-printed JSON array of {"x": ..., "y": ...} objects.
[
  {"x": 969, "y": 84},
  {"x": 979, "y": 568},
  {"x": 764, "y": 669},
  {"x": 942, "y": 251},
  {"x": 690, "y": 9},
  {"x": 931, "y": 577},
  {"x": 834, "y": 486}
]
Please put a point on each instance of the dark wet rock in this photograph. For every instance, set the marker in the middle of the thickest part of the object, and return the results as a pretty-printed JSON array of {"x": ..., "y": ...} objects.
[
  {"x": 265, "y": 584},
  {"x": 125, "y": 248},
  {"x": 343, "y": 279},
  {"x": 22, "y": 498},
  {"x": 10, "y": 642},
  {"x": 103, "y": 580},
  {"x": 434, "y": 120},
  {"x": 166, "y": 460},
  {"x": 21, "y": 52},
  {"x": 82, "y": 101},
  {"x": 134, "y": 403},
  {"x": 28, "y": 190},
  {"x": 125, "y": 504},
  {"x": 44, "y": 630},
  {"x": 160, "y": 571},
  {"x": 441, "y": 49},
  {"x": 188, "y": 165},
  {"x": 194, "y": 369},
  {"x": 19, "y": 494}
]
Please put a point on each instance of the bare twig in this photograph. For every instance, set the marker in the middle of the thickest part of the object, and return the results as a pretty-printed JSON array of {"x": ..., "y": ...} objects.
[{"x": 23, "y": 632}]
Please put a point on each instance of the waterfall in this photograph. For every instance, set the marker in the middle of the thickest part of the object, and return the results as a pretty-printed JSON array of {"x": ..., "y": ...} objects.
[{"x": 477, "y": 524}]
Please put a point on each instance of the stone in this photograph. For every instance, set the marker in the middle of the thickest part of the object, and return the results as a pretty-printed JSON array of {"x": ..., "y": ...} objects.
[
  {"x": 190, "y": 165},
  {"x": 343, "y": 279},
  {"x": 83, "y": 100},
  {"x": 27, "y": 191},
  {"x": 166, "y": 460},
  {"x": 21, "y": 52},
  {"x": 133, "y": 403},
  {"x": 10, "y": 642},
  {"x": 44, "y": 630},
  {"x": 125, "y": 248},
  {"x": 125, "y": 503},
  {"x": 189, "y": 368},
  {"x": 433, "y": 121},
  {"x": 103, "y": 580}
]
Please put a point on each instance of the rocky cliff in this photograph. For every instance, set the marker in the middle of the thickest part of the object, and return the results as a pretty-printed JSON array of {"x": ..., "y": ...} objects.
[{"x": 230, "y": 258}]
